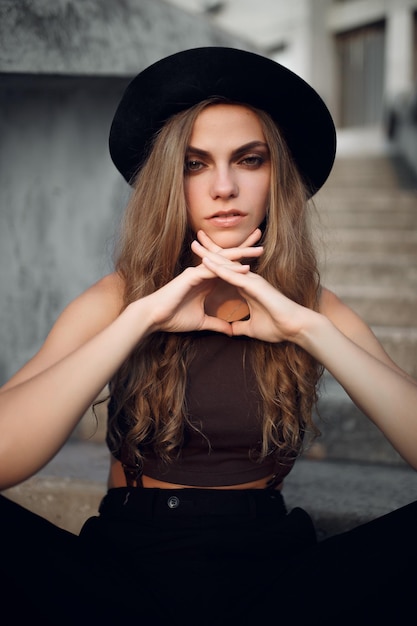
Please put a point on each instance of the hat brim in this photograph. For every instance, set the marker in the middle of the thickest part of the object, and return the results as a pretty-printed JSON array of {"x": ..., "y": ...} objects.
[{"x": 181, "y": 80}]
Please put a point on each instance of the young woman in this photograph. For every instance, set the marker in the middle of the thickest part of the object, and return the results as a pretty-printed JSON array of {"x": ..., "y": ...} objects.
[{"x": 212, "y": 334}]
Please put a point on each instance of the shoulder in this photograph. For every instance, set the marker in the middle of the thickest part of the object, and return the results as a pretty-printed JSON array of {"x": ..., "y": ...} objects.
[
  {"x": 94, "y": 309},
  {"x": 103, "y": 299},
  {"x": 330, "y": 304},
  {"x": 352, "y": 326},
  {"x": 107, "y": 291},
  {"x": 83, "y": 318},
  {"x": 342, "y": 316}
]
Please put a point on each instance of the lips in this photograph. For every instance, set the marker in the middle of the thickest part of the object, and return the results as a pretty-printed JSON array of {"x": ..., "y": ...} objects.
[
  {"x": 227, "y": 214},
  {"x": 227, "y": 219}
]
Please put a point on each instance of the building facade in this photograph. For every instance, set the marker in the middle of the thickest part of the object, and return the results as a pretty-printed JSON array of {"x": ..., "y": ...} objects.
[{"x": 361, "y": 55}]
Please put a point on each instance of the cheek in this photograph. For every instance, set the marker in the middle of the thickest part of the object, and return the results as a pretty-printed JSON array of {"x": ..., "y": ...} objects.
[
  {"x": 191, "y": 194},
  {"x": 192, "y": 206},
  {"x": 186, "y": 191},
  {"x": 261, "y": 195}
]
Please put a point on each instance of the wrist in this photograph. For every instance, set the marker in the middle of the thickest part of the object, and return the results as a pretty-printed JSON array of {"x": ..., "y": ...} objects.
[
  {"x": 314, "y": 332},
  {"x": 139, "y": 315}
]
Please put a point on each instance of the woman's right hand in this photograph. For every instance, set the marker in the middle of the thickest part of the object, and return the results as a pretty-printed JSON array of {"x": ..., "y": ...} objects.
[{"x": 179, "y": 306}]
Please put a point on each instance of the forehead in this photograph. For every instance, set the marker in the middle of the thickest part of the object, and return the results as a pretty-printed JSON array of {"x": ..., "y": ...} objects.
[{"x": 227, "y": 120}]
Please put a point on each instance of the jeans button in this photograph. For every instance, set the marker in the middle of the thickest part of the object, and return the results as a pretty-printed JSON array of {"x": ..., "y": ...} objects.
[{"x": 173, "y": 502}]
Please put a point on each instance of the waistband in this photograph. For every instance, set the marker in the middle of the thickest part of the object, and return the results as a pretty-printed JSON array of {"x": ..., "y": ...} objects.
[{"x": 150, "y": 504}]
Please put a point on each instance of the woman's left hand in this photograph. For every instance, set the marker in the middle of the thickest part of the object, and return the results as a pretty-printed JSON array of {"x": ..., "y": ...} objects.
[{"x": 273, "y": 316}]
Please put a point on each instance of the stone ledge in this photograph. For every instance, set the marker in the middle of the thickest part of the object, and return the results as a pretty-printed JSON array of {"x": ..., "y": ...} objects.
[
  {"x": 341, "y": 495},
  {"x": 66, "y": 502}
]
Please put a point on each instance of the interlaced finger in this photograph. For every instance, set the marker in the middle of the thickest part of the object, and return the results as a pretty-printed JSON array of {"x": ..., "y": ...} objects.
[
  {"x": 232, "y": 254},
  {"x": 220, "y": 258}
]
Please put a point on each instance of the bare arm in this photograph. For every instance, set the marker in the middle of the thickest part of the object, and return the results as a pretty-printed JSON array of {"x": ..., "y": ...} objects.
[
  {"x": 42, "y": 403},
  {"x": 352, "y": 354}
]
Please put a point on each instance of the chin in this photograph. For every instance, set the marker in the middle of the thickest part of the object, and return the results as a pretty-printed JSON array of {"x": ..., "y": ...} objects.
[{"x": 229, "y": 239}]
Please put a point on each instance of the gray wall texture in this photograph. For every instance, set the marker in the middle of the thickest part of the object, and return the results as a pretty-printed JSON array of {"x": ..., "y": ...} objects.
[
  {"x": 106, "y": 37},
  {"x": 63, "y": 67}
]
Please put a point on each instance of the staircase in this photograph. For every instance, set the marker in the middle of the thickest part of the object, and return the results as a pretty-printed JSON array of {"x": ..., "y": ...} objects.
[
  {"x": 369, "y": 223},
  {"x": 351, "y": 475},
  {"x": 372, "y": 250}
]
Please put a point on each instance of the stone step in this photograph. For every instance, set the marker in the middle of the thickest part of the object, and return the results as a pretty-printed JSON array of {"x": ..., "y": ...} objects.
[
  {"x": 369, "y": 240},
  {"x": 398, "y": 259},
  {"x": 401, "y": 344},
  {"x": 338, "y": 495},
  {"x": 361, "y": 216},
  {"x": 366, "y": 208},
  {"x": 366, "y": 269},
  {"x": 373, "y": 199},
  {"x": 380, "y": 305},
  {"x": 369, "y": 172}
]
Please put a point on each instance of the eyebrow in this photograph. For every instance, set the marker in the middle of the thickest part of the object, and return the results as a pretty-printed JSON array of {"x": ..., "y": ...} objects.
[{"x": 251, "y": 145}]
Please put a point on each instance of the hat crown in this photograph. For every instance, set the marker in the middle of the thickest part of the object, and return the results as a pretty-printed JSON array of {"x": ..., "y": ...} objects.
[{"x": 181, "y": 80}]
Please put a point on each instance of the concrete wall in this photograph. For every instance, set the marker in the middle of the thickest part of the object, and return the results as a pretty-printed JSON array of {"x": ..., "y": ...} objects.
[
  {"x": 90, "y": 37},
  {"x": 60, "y": 198},
  {"x": 63, "y": 67}
]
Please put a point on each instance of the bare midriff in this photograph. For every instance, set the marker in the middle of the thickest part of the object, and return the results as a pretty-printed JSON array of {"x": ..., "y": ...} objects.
[
  {"x": 117, "y": 479},
  {"x": 262, "y": 483}
]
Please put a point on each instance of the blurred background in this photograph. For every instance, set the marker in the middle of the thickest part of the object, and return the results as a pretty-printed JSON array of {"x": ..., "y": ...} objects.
[{"x": 63, "y": 67}]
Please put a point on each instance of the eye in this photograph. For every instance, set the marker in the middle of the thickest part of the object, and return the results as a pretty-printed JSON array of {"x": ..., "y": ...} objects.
[
  {"x": 252, "y": 161},
  {"x": 193, "y": 165}
]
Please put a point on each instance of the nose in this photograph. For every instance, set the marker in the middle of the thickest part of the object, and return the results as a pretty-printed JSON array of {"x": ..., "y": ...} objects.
[{"x": 224, "y": 184}]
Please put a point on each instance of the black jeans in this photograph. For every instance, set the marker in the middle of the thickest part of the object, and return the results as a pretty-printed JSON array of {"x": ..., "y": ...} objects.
[{"x": 207, "y": 557}]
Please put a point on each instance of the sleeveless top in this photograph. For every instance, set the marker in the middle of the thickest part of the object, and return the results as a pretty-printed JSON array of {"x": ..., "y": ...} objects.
[{"x": 223, "y": 403}]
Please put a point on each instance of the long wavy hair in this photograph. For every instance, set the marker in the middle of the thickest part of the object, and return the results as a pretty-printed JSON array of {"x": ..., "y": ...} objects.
[{"x": 148, "y": 405}]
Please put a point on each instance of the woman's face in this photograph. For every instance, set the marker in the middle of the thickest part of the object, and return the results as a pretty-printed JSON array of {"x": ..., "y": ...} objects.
[{"x": 227, "y": 174}]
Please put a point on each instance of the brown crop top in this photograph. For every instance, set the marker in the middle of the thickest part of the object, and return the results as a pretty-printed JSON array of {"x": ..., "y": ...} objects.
[{"x": 223, "y": 403}]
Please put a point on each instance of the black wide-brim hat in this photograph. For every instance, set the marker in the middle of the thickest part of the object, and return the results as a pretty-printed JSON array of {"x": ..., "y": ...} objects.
[{"x": 181, "y": 80}]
